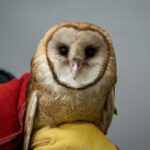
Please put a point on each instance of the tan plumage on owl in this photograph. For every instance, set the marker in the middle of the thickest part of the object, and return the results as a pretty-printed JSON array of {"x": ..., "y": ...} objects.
[{"x": 73, "y": 78}]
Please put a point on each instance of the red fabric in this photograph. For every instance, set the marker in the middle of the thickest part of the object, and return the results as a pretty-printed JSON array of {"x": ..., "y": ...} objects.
[{"x": 12, "y": 107}]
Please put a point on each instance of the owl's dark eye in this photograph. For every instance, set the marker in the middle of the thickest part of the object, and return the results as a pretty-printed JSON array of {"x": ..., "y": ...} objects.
[
  {"x": 90, "y": 51},
  {"x": 63, "y": 50}
]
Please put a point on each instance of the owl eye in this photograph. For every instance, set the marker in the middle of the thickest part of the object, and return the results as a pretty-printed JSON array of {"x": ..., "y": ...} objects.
[
  {"x": 63, "y": 50},
  {"x": 90, "y": 51}
]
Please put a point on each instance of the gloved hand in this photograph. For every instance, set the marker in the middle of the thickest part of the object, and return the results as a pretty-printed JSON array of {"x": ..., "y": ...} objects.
[{"x": 71, "y": 136}]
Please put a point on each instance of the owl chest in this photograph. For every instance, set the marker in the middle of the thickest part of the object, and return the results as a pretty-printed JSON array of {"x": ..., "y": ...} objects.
[{"x": 56, "y": 109}]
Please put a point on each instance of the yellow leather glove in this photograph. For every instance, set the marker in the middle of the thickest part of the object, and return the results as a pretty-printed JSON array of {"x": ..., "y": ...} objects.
[{"x": 71, "y": 136}]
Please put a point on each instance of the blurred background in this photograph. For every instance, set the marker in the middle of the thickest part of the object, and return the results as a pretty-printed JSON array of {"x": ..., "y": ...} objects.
[{"x": 23, "y": 23}]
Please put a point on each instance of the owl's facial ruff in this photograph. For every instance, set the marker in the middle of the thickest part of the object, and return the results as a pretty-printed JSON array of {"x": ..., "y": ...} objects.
[{"x": 69, "y": 62}]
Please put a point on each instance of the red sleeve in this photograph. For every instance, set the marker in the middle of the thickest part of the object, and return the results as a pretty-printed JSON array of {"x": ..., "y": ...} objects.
[{"x": 12, "y": 107}]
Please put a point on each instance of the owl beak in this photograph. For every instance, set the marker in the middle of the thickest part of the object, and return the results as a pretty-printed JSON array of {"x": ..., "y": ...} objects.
[{"x": 75, "y": 68}]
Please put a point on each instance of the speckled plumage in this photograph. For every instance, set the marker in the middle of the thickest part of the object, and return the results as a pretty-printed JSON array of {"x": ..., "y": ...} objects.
[{"x": 89, "y": 97}]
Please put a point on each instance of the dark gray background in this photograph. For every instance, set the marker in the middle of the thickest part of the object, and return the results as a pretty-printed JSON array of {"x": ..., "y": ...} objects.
[{"x": 23, "y": 23}]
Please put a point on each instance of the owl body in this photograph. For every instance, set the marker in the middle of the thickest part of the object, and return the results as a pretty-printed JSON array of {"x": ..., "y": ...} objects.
[
  {"x": 73, "y": 78},
  {"x": 67, "y": 105}
]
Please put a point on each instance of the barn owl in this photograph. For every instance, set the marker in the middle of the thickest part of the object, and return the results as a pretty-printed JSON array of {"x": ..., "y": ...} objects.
[{"x": 73, "y": 78}]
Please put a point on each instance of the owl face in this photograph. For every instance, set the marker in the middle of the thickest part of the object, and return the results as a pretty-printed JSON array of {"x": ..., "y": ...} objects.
[{"x": 77, "y": 58}]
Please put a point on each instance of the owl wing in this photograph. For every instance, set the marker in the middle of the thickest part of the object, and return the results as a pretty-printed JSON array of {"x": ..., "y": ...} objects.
[
  {"x": 29, "y": 119},
  {"x": 108, "y": 111}
]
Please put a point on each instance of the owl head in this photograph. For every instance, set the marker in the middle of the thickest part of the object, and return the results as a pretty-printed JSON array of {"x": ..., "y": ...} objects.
[{"x": 74, "y": 55}]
